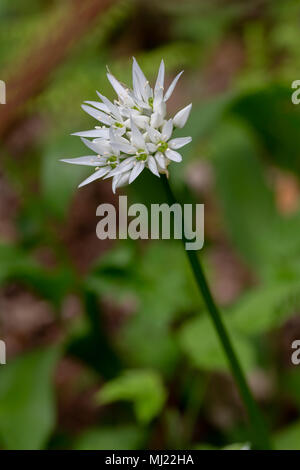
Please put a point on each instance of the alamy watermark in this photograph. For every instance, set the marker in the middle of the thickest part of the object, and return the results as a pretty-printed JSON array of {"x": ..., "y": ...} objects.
[
  {"x": 2, "y": 352},
  {"x": 177, "y": 221},
  {"x": 2, "y": 92},
  {"x": 295, "y": 357},
  {"x": 296, "y": 94}
]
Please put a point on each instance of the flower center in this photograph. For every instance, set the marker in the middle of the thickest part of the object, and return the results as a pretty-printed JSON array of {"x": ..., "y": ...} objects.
[
  {"x": 119, "y": 124},
  {"x": 141, "y": 155},
  {"x": 162, "y": 146},
  {"x": 112, "y": 161}
]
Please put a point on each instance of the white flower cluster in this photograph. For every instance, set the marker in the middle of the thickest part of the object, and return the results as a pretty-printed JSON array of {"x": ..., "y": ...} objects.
[{"x": 135, "y": 133}]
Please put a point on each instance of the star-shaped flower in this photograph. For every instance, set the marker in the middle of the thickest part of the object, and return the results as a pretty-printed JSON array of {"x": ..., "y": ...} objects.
[{"x": 134, "y": 133}]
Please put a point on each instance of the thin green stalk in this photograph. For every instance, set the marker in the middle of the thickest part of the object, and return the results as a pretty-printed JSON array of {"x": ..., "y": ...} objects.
[{"x": 258, "y": 432}]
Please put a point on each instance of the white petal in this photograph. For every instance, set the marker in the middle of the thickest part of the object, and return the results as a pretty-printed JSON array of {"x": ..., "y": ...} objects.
[
  {"x": 151, "y": 147},
  {"x": 137, "y": 169},
  {"x": 172, "y": 86},
  {"x": 122, "y": 139},
  {"x": 167, "y": 130},
  {"x": 141, "y": 121},
  {"x": 182, "y": 116},
  {"x": 115, "y": 182},
  {"x": 136, "y": 137},
  {"x": 156, "y": 120},
  {"x": 160, "y": 160},
  {"x": 142, "y": 104},
  {"x": 160, "y": 107},
  {"x": 126, "y": 165},
  {"x": 126, "y": 148},
  {"x": 104, "y": 143},
  {"x": 99, "y": 115},
  {"x": 159, "y": 87},
  {"x": 153, "y": 134},
  {"x": 152, "y": 166},
  {"x": 139, "y": 73},
  {"x": 119, "y": 89},
  {"x": 119, "y": 144},
  {"x": 98, "y": 174},
  {"x": 111, "y": 107},
  {"x": 172, "y": 155},
  {"x": 117, "y": 86},
  {"x": 144, "y": 86},
  {"x": 119, "y": 131},
  {"x": 93, "y": 133},
  {"x": 98, "y": 105},
  {"x": 95, "y": 146},
  {"x": 160, "y": 77},
  {"x": 90, "y": 160},
  {"x": 175, "y": 144},
  {"x": 137, "y": 88},
  {"x": 120, "y": 180}
]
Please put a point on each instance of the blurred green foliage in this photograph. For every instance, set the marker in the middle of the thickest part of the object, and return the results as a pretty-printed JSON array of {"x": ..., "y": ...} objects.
[{"x": 152, "y": 369}]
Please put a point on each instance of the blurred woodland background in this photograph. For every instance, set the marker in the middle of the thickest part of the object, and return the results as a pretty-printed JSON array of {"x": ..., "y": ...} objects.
[{"x": 108, "y": 344}]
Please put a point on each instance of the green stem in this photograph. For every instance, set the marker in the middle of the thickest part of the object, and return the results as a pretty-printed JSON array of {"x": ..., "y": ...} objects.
[{"x": 258, "y": 432}]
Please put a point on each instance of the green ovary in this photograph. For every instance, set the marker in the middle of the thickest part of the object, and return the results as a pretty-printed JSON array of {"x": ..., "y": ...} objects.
[
  {"x": 142, "y": 157},
  {"x": 112, "y": 161},
  {"x": 150, "y": 101},
  {"x": 162, "y": 147}
]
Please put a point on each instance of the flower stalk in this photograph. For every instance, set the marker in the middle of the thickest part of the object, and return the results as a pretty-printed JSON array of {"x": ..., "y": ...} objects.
[{"x": 257, "y": 429}]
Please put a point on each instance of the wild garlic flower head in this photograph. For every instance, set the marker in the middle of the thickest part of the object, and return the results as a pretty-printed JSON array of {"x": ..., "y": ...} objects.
[{"x": 134, "y": 133}]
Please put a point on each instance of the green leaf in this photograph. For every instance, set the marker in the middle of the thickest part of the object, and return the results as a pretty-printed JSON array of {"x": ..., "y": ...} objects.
[
  {"x": 266, "y": 307},
  {"x": 200, "y": 342},
  {"x": 27, "y": 408},
  {"x": 143, "y": 388},
  {"x": 201, "y": 125},
  {"x": 169, "y": 284},
  {"x": 247, "y": 203},
  {"x": 289, "y": 438},
  {"x": 165, "y": 290},
  {"x": 16, "y": 264},
  {"x": 238, "y": 446},
  {"x": 290, "y": 384},
  {"x": 14, "y": 261},
  {"x": 275, "y": 119},
  {"x": 159, "y": 284},
  {"x": 206, "y": 116},
  {"x": 267, "y": 241},
  {"x": 125, "y": 437},
  {"x": 59, "y": 180},
  {"x": 140, "y": 334}
]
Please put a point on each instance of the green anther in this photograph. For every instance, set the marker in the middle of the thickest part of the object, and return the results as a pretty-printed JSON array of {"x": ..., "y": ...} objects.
[
  {"x": 119, "y": 124},
  {"x": 136, "y": 108},
  {"x": 111, "y": 159},
  {"x": 162, "y": 147},
  {"x": 113, "y": 165},
  {"x": 150, "y": 101}
]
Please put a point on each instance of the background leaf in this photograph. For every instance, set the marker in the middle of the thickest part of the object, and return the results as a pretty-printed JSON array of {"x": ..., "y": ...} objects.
[
  {"x": 27, "y": 407},
  {"x": 143, "y": 388},
  {"x": 126, "y": 437},
  {"x": 199, "y": 341}
]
